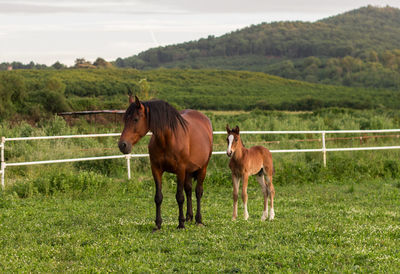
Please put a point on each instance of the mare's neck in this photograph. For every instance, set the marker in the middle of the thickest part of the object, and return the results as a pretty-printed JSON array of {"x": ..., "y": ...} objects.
[{"x": 166, "y": 138}]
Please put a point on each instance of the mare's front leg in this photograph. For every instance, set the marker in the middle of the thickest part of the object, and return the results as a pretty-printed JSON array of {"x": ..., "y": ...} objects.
[
  {"x": 244, "y": 195},
  {"x": 180, "y": 198},
  {"x": 157, "y": 175},
  {"x": 188, "y": 191},
  {"x": 199, "y": 193},
  {"x": 235, "y": 194}
]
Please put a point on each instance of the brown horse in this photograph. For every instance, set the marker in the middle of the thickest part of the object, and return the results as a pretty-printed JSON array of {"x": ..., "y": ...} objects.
[
  {"x": 245, "y": 162},
  {"x": 181, "y": 144}
]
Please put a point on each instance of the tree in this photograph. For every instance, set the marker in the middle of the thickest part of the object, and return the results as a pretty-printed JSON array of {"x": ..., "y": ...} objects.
[
  {"x": 12, "y": 94},
  {"x": 82, "y": 63},
  {"x": 101, "y": 63},
  {"x": 145, "y": 91},
  {"x": 373, "y": 56},
  {"x": 58, "y": 65}
]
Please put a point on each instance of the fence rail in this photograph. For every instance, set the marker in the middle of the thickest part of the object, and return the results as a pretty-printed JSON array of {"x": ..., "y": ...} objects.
[{"x": 323, "y": 149}]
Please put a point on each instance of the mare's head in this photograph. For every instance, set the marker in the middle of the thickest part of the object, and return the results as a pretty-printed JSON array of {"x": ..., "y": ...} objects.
[
  {"x": 136, "y": 125},
  {"x": 233, "y": 140},
  {"x": 156, "y": 116}
]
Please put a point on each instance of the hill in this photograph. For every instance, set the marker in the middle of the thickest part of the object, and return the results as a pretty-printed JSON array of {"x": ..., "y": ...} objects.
[
  {"x": 35, "y": 94},
  {"x": 358, "y": 48}
]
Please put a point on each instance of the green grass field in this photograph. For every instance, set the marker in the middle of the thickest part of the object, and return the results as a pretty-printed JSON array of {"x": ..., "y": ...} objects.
[
  {"x": 87, "y": 217},
  {"x": 331, "y": 227}
]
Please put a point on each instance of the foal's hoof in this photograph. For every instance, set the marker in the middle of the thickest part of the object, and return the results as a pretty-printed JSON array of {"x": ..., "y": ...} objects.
[
  {"x": 200, "y": 224},
  {"x": 271, "y": 215},
  {"x": 181, "y": 226},
  {"x": 264, "y": 216},
  {"x": 156, "y": 229}
]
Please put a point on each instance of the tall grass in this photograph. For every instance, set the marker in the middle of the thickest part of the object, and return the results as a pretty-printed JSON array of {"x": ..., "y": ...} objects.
[{"x": 290, "y": 167}]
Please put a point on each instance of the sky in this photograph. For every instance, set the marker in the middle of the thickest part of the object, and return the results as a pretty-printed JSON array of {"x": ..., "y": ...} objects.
[{"x": 46, "y": 31}]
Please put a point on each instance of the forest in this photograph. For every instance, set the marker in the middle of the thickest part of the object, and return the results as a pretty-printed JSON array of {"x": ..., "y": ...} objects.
[{"x": 357, "y": 48}]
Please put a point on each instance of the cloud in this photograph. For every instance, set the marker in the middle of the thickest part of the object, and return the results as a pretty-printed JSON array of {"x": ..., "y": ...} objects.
[
  {"x": 33, "y": 29},
  {"x": 94, "y": 6},
  {"x": 184, "y": 6},
  {"x": 266, "y": 6}
]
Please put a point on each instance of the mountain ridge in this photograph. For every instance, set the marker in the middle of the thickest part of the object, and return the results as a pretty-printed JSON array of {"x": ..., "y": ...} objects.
[{"x": 364, "y": 34}]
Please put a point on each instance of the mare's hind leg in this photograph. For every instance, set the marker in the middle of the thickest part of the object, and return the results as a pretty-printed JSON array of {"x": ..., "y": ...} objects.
[
  {"x": 199, "y": 192},
  {"x": 180, "y": 198},
  {"x": 188, "y": 191},
  {"x": 260, "y": 179}
]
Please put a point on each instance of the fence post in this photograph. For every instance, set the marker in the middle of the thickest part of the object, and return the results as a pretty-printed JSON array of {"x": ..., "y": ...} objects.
[
  {"x": 324, "y": 148},
  {"x": 3, "y": 164},
  {"x": 128, "y": 165}
]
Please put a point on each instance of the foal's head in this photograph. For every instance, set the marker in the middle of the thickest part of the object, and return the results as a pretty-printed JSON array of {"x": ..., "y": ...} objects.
[
  {"x": 136, "y": 125},
  {"x": 233, "y": 140}
]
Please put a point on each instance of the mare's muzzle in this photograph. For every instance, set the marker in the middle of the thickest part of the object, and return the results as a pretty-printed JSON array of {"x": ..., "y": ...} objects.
[{"x": 125, "y": 147}]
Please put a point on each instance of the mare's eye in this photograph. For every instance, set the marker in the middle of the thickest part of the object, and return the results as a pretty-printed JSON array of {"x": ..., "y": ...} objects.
[{"x": 135, "y": 119}]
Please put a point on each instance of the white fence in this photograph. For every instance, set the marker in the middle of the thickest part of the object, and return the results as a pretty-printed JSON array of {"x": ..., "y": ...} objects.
[{"x": 323, "y": 149}]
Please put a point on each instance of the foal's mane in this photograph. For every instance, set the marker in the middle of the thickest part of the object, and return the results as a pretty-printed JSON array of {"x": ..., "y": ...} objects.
[{"x": 160, "y": 115}]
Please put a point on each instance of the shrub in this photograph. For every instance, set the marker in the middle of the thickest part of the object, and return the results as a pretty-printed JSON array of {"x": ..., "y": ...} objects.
[
  {"x": 105, "y": 167},
  {"x": 63, "y": 182}
]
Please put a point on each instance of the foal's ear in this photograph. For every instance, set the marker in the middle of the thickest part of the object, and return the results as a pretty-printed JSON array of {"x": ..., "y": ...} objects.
[
  {"x": 227, "y": 128},
  {"x": 236, "y": 129}
]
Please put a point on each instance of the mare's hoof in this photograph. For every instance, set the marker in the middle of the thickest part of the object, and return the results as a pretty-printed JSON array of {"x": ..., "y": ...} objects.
[
  {"x": 200, "y": 224},
  {"x": 181, "y": 226},
  {"x": 189, "y": 219}
]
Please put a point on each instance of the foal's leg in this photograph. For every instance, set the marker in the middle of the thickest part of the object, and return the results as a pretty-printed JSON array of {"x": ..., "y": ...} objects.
[
  {"x": 244, "y": 195},
  {"x": 235, "y": 183},
  {"x": 260, "y": 179},
  {"x": 199, "y": 193},
  {"x": 180, "y": 198},
  {"x": 271, "y": 192},
  {"x": 157, "y": 175},
  {"x": 188, "y": 191}
]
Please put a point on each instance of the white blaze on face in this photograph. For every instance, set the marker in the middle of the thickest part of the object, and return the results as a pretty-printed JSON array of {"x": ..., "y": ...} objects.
[{"x": 230, "y": 141}]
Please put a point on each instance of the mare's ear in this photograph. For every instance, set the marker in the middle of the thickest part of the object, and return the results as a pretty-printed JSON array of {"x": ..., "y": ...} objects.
[
  {"x": 137, "y": 102},
  {"x": 236, "y": 130},
  {"x": 227, "y": 129},
  {"x": 130, "y": 95}
]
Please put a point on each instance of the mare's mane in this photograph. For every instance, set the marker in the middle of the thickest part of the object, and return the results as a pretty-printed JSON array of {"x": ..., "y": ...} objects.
[{"x": 160, "y": 115}]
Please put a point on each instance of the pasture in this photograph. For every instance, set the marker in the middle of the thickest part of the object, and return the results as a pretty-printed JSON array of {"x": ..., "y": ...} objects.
[
  {"x": 332, "y": 227},
  {"x": 88, "y": 217}
]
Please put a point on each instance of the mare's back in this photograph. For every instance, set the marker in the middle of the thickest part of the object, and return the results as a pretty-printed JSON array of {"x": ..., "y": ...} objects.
[{"x": 200, "y": 134}]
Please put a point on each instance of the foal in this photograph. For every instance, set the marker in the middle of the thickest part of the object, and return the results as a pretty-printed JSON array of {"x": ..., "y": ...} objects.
[{"x": 245, "y": 162}]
